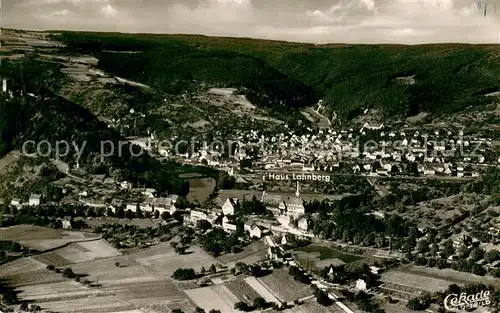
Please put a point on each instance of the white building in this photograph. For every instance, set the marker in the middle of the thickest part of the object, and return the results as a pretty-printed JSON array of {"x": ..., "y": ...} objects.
[
  {"x": 131, "y": 207},
  {"x": 66, "y": 224},
  {"x": 15, "y": 202},
  {"x": 227, "y": 225},
  {"x": 255, "y": 231},
  {"x": 125, "y": 185},
  {"x": 228, "y": 208},
  {"x": 34, "y": 199},
  {"x": 195, "y": 216},
  {"x": 149, "y": 192},
  {"x": 292, "y": 206},
  {"x": 372, "y": 126},
  {"x": 361, "y": 285},
  {"x": 303, "y": 224}
]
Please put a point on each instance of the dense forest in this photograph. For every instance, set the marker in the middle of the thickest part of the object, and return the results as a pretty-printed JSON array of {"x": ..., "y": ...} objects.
[
  {"x": 37, "y": 113},
  {"x": 448, "y": 77}
]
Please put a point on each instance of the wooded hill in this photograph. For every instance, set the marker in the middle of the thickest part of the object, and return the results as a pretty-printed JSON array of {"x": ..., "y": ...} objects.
[{"x": 447, "y": 77}]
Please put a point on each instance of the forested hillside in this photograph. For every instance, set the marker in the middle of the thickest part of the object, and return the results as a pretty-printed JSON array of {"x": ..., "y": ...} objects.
[
  {"x": 37, "y": 113},
  {"x": 447, "y": 78}
]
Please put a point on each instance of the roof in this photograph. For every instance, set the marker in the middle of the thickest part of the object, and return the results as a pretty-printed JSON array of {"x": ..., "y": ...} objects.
[
  {"x": 294, "y": 200},
  {"x": 35, "y": 196}
]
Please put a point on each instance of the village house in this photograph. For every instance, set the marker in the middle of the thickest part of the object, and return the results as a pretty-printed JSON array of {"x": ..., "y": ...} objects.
[
  {"x": 195, "y": 216},
  {"x": 253, "y": 229},
  {"x": 125, "y": 185},
  {"x": 229, "y": 207},
  {"x": 131, "y": 207},
  {"x": 15, "y": 202},
  {"x": 227, "y": 226},
  {"x": 292, "y": 206},
  {"x": 303, "y": 224},
  {"x": 462, "y": 240},
  {"x": 34, "y": 200},
  {"x": 66, "y": 224},
  {"x": 372, "y": 126},
  {"x": 149, "y": 192},
  {"x": 361, "y": 285}
]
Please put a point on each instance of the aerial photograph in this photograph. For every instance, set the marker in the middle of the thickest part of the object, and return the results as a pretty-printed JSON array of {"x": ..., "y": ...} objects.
[{"x": 225, "y": 156}]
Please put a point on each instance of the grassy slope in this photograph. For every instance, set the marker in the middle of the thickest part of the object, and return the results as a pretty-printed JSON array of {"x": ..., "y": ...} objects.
[{"x": 449, "y": 77}]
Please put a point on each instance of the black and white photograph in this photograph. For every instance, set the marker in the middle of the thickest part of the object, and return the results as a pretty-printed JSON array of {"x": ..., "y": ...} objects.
[{"x": 266, "y": 156}]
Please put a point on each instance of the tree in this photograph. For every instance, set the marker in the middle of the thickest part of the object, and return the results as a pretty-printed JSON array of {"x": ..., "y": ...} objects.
[
  {"x": 477, "y": 254},
  {"x": 212, "y": 269},
  {"x": 423, "y": 246},
  {"x": 165, "y": 215},
  {"x": 203, "y": 225},
  {"x": 180, "y": 249},
  {"x": 129, "y": 214},
  {"x": 199, "y": 310},
  {"x": 202, "y": 271},
  {"x": 24, "y": 306},
  {"x": 214, "y": 311},
  {"x": 448, "y": 249},
  {"x": 109, "y": 212},
  {"x": 68, "y": 273},
  {"x": 463, "y": 251},
  {"x": 138, "y": 213},
  {"x": 51, "y": 267},
  {"x": 259, "y": 303},
  {"x": 16, "y": 247},
  {"x": 157, "y": 214},
  {"x": 184, "y": 274},
  {"x": 117, "y": 264},
  {"x": 322, "y": 298},
  {"x": 177, "y": 311},
  {"x": 241, "y": 306}
]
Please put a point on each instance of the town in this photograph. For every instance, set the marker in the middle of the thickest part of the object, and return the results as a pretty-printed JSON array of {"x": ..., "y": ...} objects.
[{"x": 185, "y": 196}]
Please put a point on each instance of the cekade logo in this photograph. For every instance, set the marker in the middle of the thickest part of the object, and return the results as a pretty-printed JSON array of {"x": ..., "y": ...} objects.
[{"x": 464, "y": 302}]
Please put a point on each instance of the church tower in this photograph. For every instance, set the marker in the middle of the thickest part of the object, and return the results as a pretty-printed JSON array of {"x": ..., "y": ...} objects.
[{"x": 297, "y": 192}]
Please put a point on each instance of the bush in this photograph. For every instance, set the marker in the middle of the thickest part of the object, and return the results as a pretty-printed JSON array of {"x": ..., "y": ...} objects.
[
  {"x": 68, "y": 273},
  {"x": 184, "y": 274}
]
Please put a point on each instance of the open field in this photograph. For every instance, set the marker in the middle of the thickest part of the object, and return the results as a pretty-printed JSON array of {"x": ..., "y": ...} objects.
[
  {"x": 414, "y": 281},
  {"x": 241, "y": 290},
  {"x": 41, "y": 238},
  {"x": 322, "y": 256},
  {"x": 87, "y": 251},
  {"x": 138, "y": 222},
  {"x": 168, "y": 260},
  {"x": 20, "y": 265},
  {"x": 311, "y": 306},
  {"x": 216, "y": 297},
  {"x": 141, "y": 281},
  {"x": 451, "y": 276},
  {"x": 52, "y": 258},
  {"x": 252, "y": 253},
  {"x": 285, "y": 287},
  {"x": 262, "y": 290}
]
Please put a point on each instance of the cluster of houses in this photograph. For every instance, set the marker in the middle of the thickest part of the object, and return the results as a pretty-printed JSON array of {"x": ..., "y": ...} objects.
[
  {"x": 372, "y": 149},
  {"x": 289, "y": 212},
  {"x": 33, "y": 200}
]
